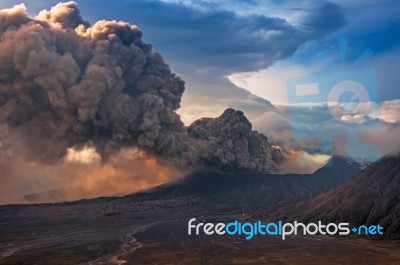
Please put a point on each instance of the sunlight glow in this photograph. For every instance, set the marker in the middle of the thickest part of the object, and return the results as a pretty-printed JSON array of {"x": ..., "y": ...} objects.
[{"x": 86, "y": 155}]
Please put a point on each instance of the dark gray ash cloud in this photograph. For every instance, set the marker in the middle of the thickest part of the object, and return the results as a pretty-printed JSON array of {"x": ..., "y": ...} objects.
[{"x": 64, "y": 83}]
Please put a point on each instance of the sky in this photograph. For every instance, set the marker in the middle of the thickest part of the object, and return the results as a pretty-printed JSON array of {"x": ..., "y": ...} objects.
[
  {"x": 252, "y": 55},
  {"x": 240, "y": 53}
]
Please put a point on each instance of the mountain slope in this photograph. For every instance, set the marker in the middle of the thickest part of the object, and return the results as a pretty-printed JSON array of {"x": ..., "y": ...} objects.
[
  {"x": 254, "y": 189},
  {"x": 371, "y": 197}
]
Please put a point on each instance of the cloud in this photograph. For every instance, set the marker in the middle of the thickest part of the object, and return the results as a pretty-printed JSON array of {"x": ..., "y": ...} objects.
[
  {"x": 270, "y": 83},
  {"x": 66, "y": 84},
  {"x": 224, "y": 41},
  {"x": 218, "y": 38},
  {"x": 232, "y": 143},
  {"x": 300, "y": 162},
  {"x": 207, "y": 40},
  {"x": 323, "y": 17},
  {"x": 380, "y": 129},
  {"x": 391, "y": 111},
  {"x": 80, "y": 175},
  {"x": 208, "y": 98}
]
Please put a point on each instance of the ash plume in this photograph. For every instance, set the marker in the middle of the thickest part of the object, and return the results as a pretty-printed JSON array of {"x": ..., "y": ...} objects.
[
  {"x": 65, "y": 83},
  {"x": 231, "y": 143}
]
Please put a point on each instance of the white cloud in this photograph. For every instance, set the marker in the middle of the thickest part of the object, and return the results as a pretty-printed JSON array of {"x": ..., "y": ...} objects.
[
  {"x": 391, "y": 111},
  {"x": 379, "y": 130},
  {"x": 270, "y": 83}
]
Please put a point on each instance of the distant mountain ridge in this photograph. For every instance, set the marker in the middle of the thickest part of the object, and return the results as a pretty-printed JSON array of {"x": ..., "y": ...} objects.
[{"x": 57, "y": 195}]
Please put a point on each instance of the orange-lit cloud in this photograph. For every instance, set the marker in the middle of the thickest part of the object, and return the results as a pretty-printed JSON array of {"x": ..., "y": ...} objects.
[
  {"x": 299, "y": 161},
  {"x": 81, "y": 175}
]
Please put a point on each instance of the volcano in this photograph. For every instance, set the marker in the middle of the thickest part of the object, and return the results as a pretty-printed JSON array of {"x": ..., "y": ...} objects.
[{"x": 249, "y": 190}]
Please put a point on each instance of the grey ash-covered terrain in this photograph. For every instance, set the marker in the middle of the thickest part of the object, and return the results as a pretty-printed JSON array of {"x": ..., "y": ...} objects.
[{"x": 151, "y": 227}]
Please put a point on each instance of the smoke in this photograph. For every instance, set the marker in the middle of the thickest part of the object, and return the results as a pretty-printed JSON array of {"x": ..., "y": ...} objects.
[
  {"x": 66, "y": 84},
  {"x": 229, "y": 142},
  {"x": 80, "y": 176}
]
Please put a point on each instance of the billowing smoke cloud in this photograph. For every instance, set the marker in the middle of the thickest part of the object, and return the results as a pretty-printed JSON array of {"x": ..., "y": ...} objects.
[
  {"x": 65, "y": 84},
  {"x": 230, "y": 142},
  {"x": 70, "y": 83},
  {"x": 80, "y": 175}
]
